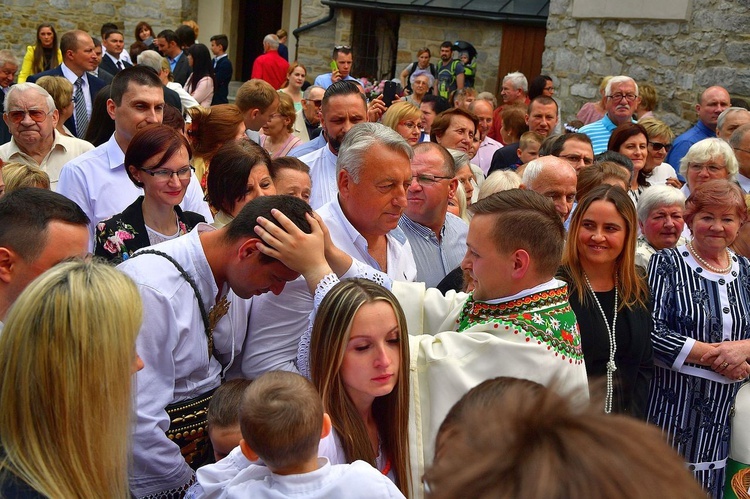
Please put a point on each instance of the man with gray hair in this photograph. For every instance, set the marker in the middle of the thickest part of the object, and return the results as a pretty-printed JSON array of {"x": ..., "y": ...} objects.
[
  {"x": 622, "y": 101},
  {"x": 373, "y": 177},
  {"x": 307, "y": 124},
  {"x": 437, "y": 238},
  {"x": 177, "y": 97},
  {"x": 514, "y": 92},
  {"x": 730, "y": 120},
  {"x": 31, "y": 117},
  {"x": 8, "y": 69},
  {"x": 740, "y": 144},
  {"x": 554, "y": 178},
  {"x": 270, "y": 66}
]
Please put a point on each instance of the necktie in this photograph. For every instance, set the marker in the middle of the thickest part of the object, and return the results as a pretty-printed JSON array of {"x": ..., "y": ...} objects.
[
  {"x": 79, "y": 103},
  {"x": 215, "y": 62},
  {"x": 119, "y": 65}
]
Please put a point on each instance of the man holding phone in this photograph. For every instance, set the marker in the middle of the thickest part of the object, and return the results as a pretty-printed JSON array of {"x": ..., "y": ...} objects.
[{"x": 341, "y": 67}]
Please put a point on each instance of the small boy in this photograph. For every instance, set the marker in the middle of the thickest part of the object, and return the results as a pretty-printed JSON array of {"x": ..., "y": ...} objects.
[
  {"x": 223, "y": 417},
  {"x": 222, "y": 69},
  {"x": 282, "y": 422},
  {"x": 528, "y": 147}
]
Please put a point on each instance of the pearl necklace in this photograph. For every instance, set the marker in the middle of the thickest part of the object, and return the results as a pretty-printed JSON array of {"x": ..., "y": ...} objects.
[
  {"x": 611, "y": 367},
  {"x": 706, "y": 264}
]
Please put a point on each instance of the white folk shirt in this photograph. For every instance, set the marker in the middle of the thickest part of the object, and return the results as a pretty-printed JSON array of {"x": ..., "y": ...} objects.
[
  {"x": 322, "y": 163},
  {"x": 174, "y": 348},
  {"x": 98, "y": 183}
]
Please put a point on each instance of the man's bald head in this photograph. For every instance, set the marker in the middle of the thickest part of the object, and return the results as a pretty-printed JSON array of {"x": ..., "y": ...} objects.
[{"x": 554, "y": 178}]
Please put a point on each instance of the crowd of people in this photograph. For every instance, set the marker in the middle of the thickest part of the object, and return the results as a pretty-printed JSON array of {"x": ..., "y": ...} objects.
[{"x": 311, "y": 291}]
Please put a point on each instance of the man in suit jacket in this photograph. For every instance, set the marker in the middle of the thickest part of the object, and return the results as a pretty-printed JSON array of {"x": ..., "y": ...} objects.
[
  {"x": 8, "y": 68},
  {"x": 77, "y": 49},
  {"x": 222, "y": 69},
  {"x": 169, "y": 46},
  {"x": 111, "y": 61},
  {"x": 98, "y": 71}
]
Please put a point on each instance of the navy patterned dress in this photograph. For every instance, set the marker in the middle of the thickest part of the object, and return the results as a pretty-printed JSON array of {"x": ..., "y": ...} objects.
[{"x": 691, "y": 403}]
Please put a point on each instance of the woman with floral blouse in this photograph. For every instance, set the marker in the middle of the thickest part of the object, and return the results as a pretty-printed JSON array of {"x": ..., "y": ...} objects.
[{"x": 158, "y": 161}]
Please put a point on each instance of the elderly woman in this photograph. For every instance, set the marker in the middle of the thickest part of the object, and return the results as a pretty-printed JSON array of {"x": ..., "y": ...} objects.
[
  {"x": 707, "y": 160},
  {"x": 277, "y": 137},
  {"x": 405, "y": 119},
  {"x": 660, "y": 217},
  {"x": 701, "y": 331},
  {"x": 61, "y": 91},
  {"x": 421, "y": 85},
  {"x": 660, "y": 138}
]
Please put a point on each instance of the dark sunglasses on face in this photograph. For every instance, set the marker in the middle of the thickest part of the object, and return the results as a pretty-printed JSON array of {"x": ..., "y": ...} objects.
[{"x": 658, "y": 146}]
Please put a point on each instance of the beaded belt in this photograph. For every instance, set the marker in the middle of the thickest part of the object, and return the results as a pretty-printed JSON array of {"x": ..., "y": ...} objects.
[{"x": 187, "y": 428}]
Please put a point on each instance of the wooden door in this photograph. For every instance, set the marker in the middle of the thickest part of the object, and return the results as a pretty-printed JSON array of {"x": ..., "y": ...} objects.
[
  {"x": 521, "y": 50},
  {"x": 257, "y": 18}
]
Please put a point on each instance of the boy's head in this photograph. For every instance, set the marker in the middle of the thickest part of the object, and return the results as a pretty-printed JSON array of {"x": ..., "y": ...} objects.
[
  {"x": 219, "y": 44},
  {"x": 528, "y": 146},
  {"x": 282, "y": 420},
  {"x": 223, "y": 417}
]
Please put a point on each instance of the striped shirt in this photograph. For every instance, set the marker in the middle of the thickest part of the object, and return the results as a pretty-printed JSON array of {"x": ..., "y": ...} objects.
[{"x": 599, "y": 133}]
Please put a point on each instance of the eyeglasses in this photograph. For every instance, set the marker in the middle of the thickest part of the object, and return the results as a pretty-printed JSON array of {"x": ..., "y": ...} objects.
[
  {"x": 699, "y": 167},
  {"x": 317, "y": 102},
  {"x": 426, "y": 179},
  {"x": 409, "y": 124},
  {"x": 276, "y": 115},
  {"x": 165, "y": 175},
  {"x": 577, "y": 158},
  {"x": 36, "y": 114},
  {"x": 658, "y": 146},
  {"x": 618, "y": 97},
  {"x": 743, "y": 150}
]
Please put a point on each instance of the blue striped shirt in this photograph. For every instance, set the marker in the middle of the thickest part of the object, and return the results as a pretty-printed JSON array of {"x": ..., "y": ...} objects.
[{"x": 599, "y": 133}]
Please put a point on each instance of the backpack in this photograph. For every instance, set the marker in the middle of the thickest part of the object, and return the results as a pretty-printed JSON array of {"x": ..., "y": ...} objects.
[{"x": 443, "y": 86}]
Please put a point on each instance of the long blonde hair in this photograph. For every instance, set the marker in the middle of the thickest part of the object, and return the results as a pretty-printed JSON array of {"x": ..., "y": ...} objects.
[
  {"x": 66, "y": 357},
  {"x": 330, "y": 336}
]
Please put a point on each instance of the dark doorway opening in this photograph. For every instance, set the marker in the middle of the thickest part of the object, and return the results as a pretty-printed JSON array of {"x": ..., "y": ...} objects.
[{"x": 257, "y": 18}]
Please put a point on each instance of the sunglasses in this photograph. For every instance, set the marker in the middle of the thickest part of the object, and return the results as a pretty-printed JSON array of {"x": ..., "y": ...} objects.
[
  {"x": 658, "y": 146},
  {"x": 36, "y": 114}
]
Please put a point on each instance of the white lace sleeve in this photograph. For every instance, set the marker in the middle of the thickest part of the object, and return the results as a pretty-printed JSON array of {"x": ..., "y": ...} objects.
[{"x": 358, "y": 269}]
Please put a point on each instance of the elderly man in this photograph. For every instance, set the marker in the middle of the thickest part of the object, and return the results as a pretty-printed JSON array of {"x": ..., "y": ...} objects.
[
  {"x": 483, "y": 110},
  {"x": 97, "y": 180},
  {"x": 622, "y": 101},
  {"x": 373, "y": 177},
  {"x": 740, "y": 143},
  {"x": 257, "y": 101},
  {"x": 344, "y": 59},
  {"x": 38, "y": 229},
  {"x": 343, "y": 106},
  {"x": 730, "y": 120},
  {"x": 541, "y": 118},
  {"x": 516, "y": 323},
  {"x": 307, "y": 124},
  {"x": 31, "y": 116},
  {"x": 270, "y": 66},
  {"x": 8, "y": 69},
  {"x": 437, "y": 238},
  {"x": 553, "y": 178},
  {"x": 711, "y": 103},
  {"x": 79, "y": 57},
  {"x": 513, "y": 92}
]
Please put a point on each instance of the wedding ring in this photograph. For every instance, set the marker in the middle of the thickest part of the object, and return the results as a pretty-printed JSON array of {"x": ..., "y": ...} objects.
[{"x": 724, "y": 365}]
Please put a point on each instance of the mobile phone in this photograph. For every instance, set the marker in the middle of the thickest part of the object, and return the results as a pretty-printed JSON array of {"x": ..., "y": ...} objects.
[
  {"x": 389, "y": 92},
  {"x": 334, "y": 67}
]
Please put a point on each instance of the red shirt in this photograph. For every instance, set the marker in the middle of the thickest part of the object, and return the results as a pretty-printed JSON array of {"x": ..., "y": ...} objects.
[
  {"x": 272, "y": 68},
  {"x": 497, "y": 122}
]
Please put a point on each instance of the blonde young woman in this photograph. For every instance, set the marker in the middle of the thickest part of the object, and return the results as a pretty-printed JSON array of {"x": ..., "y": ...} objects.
[
  {"x": 209, "y": 130},
  {"x": 359, "y": 362},
  {"x": 277, "y": 137},
  {"x": 67, "y": 349}
]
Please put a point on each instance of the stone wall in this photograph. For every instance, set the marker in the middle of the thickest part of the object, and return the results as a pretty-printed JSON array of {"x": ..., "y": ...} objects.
[
  {"x": 20, "y": 18},
  {"x": 414, "y": 32},
  {"x": 679, "y": 58}
]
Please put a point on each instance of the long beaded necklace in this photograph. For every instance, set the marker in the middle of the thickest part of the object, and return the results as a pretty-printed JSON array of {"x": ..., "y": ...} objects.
[
  {"x": 708, "y": 265},
  {"x": 611, "y": 367}
]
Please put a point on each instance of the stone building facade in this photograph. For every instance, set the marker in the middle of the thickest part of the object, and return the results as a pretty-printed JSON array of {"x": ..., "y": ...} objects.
[
  {"x": 20, "y": 18},
  {"x": 679, "y": 57},
  {"x": 414, "y": 32}
]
